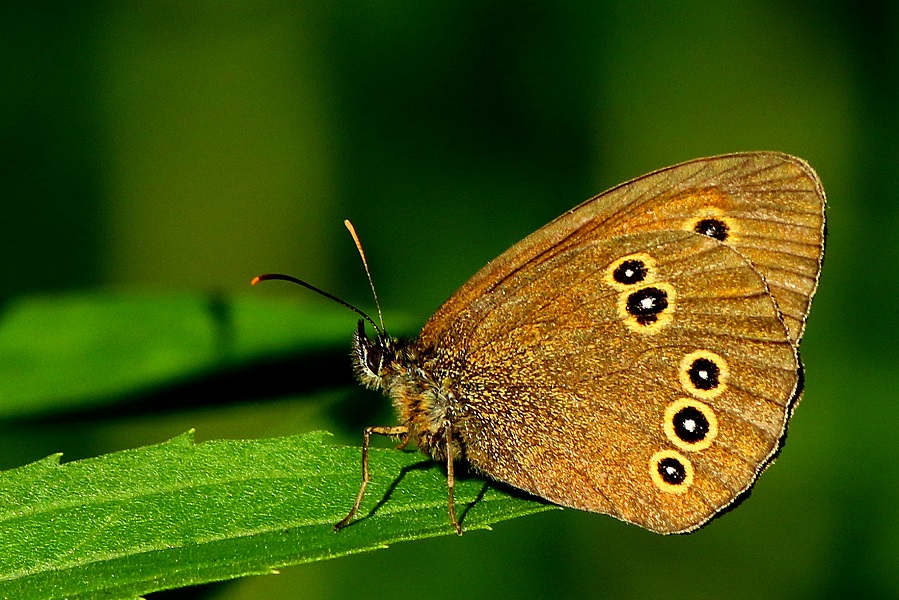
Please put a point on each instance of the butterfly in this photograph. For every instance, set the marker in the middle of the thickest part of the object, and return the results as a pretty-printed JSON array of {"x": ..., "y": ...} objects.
[{"x": 637, "y": 356}]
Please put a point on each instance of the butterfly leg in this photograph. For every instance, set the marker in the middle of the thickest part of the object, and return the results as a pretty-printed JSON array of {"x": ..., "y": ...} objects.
[
  {"x": 396, "y": 431},
  {"x": 451, "y": 479}
]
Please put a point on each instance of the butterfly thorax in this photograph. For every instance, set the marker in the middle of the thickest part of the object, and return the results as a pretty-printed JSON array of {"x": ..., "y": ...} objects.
[{"x": 422, "y": 393}]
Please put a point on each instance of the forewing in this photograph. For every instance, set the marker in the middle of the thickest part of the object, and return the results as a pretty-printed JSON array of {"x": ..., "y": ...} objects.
[{"x": 771, "y": 205}]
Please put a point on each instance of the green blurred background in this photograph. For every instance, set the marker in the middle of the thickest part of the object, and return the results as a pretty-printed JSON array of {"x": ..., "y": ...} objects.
[{"x": 174, "y": 146}]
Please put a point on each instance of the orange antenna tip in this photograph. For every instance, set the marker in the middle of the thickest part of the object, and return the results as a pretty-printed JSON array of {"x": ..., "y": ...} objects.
[
  {"x": 319, "y": 291},
  {"x": 371, "y": 283}
]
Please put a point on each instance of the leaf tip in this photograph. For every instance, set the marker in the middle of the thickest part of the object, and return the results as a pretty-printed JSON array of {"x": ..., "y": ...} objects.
[{"x": 185, "y": 439}]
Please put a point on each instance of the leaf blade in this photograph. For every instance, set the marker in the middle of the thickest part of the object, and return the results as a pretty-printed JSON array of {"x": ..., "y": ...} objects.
[{"x": 178, "y": 513}]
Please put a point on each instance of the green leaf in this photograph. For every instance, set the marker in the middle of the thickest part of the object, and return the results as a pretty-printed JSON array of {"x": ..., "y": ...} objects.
[{"x": 175, "y": 514}]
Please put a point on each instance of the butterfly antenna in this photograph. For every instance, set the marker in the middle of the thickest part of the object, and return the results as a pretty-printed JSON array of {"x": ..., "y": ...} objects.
[
  {"x": 309, "y": 286},
  {"x": 371, "y": 283}
]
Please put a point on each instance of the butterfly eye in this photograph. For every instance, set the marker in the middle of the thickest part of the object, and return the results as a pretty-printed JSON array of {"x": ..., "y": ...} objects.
[{"x": 374, "y": 357}]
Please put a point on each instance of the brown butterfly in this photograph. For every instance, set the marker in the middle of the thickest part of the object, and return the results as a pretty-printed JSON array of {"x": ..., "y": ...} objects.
[{"x": 638, "y": 356}]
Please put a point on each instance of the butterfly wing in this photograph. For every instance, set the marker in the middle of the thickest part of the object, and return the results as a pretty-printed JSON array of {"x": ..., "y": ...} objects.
[
  {"x": 767, "y": 206},
  {"x": 648, "y": 374},
  {"x": 574, "y": 401}
]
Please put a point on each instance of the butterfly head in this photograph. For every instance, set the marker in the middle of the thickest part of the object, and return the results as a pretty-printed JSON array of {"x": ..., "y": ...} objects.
[{"x": 371, "y": 356}]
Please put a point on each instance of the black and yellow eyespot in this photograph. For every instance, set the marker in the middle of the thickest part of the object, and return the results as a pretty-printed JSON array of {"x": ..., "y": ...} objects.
[
  {"x": 631, "y": 270},
  {"x": 671, "y": 472},
  {"x": 703, "y": 374},
  {"x": 712, "y": 222},
  {"x": 690, "y": 425},
  {"x": 647, "y": 309}
]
